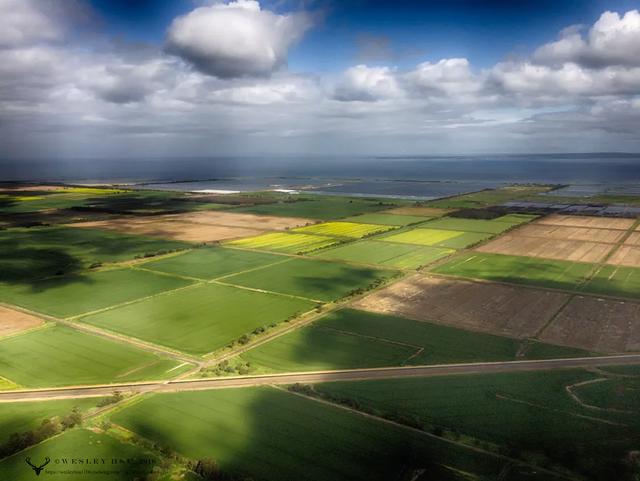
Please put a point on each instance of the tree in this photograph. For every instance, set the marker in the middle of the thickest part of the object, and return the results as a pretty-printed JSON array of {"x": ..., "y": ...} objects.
[{"x": 208, "y": 469}]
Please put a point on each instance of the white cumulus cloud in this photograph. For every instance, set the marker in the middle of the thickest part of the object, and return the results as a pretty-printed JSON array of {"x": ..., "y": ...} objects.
[
  {"x": 367, "y": 84},
  {"x": 236, "y": 39}
]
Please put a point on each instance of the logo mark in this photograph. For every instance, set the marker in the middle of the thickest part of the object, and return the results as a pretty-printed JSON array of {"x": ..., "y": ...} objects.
[{"x": 37, "y": 469}]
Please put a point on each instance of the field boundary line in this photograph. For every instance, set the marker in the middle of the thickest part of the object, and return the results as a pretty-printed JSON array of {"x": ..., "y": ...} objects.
[
  {"x": 553, "y": 317},
  {"x": 264, "y": 291},
  {"x": 167, "y": 274},
  {"x": 250, "y": 270},
  {"x": 425, "y": 433}
]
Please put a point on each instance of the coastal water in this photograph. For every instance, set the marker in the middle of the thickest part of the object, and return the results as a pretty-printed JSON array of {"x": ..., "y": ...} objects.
[{"x": 423, "y": 177}]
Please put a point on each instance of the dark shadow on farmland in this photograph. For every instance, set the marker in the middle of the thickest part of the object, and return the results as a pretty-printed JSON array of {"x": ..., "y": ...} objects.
[
  {"x": 273, "y": 435},
  {"x": 142, "y": 203}
]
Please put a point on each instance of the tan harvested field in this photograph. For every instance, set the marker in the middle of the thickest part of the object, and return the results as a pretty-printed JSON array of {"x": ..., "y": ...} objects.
[
  {"x": 569, "y": 250},
  {"x": 419, "y": 211},
  {"x": 599, "y": 325},
  {"x": 626, "y": 255},
  {"x": 633, "y": 239},
  {"x": 168, "y": 229},
  {"x": 12, "y": 321},
  {"x": 198, "y": 226},
  {"x": 30, "y": 188},
  {"x": 251, "y": 221},
  {"x": 586, "y": 221},
  {"x": 512, "y": 311},
  {"x": 570, "y": 233}
]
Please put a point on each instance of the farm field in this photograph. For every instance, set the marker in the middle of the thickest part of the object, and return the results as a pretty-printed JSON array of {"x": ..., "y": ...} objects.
[
  {"x": 597, "y": 324},
  {"x": 613, "y": 393},
  {"x": 387, "y": 219},
  {"x": 350, "y": 339},
  {"x": 73, "y": 295},
  {"x": 37, "y": 252},
  {"x": 322, "y": 207},
  {"x": 92, "y": 446},
  {"x": 351, "y": 230},
  {"x": 403, "y": 256},
  {"x": 495, "y": 226},
  {"x": 518, "y": 270},
  {"x": 235, "y": 219},
  {"x": 212, "y": 262},
  {"x": 591, "y": 234},
  {"x": 13, "y": 321},
  {"x": 498, "y": 309},
  {"x": 488, "y": 197},
  {"x": 62, "y": 356},
  {"x": 625, "y": 255},
  {"x": 587, "y": 221},
  {"x": 312, "y": 279},
  {"x": 436, "y": 237},
  {"x": 298, "y": 439},
  {"x": 19, "y": 417},
  {"x": 530, "y": 412},
  {"x": 288, "y": 243},
  {"x": 200, "y": 319},
  {"x": 615, "y": 281},
  {"x": 418, "y": 210}
]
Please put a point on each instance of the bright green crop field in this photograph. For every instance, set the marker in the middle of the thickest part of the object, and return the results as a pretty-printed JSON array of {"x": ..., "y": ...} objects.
[
  {"x": 80, "y": 444},
  {"x": 450, "y": 239},
  {"x": 387, "y": 254},
  {"x": 351, "y": 230},
  {"x": 272, "y": 435},
  {"x": 471, "y": 225},
  {"x": 387, "y": 219},
  {"x": 73, "y": 295},
  {"x": 286, "y": 242},
  {"x": 357, "y": 339},
  {"x": 212, "y": 262},
  {"x": 615, "y": 281},
  {"x": 17, "y": 417},
  {"x": 62, "y": 356},
  {"x": 200, "y": 319},
  {"x": 312, "y": 279}
]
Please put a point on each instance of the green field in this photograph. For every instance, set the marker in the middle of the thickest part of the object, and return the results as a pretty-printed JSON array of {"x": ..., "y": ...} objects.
[
  {"x": 616, "y": 393},
  {"x": 357, "y": 339},
  {"x": 270, "y": 434},
  {"x": 83, "y": 446},
  {"x": 516, "y": 218},
  {"x": 489, "y": 197},
  {"x": 525, "y": 411},
  {"x": 212, "y": 262},
  {"x": 352, "y": 230},
  {"x": 450, "y": 239},
  {"x": 403, "y": 256},
  {"x": 312, "y": 279},
  {"x": 615, "y": 281},
  {"x": 17, "y": 417},
  {"x": 322, "y": 207},
  {"x": 36, "y": 252},
  {"x": 387, "y": 219},
  {"x": 62, "y": 356},
  {"x": 518, "y": 270},
  {"x": 200, "y": 319},
  {"x": 73, "y": 295},
  {"x": 494, "y": 226},
  {"x": 285, "y": 242}
]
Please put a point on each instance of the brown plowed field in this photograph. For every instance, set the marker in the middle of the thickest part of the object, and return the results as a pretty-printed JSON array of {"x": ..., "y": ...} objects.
[
  {"x": 626, "y": 255},
  {"x": 569, "y": 250},
  {"x": 586, "y": 221},
  {"x": 570, "y": 233},
  {"x": 12, "y": 321},
  {"x": 198, "y": 226},
  {"x": 495, "y": 308},
  {"x": 598, "y": 325}
]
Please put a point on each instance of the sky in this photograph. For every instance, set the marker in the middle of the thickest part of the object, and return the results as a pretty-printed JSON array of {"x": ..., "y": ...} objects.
[{"x": 188, "y": 78}]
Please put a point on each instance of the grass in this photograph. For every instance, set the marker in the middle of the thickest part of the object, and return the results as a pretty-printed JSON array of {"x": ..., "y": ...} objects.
[
  {"x": 201, "y": 319},
  {"x": 74, "y": 295},
  {"x": 312, "y": 279},
  {"x": 285, "y": 242},
  {"x": 75, "y": 452},
  {"x": 518, "y": 270},
  {"x": 524, "y": 411},
  {"x": 351, "y": 230},
  {"x": 619, "y": 393},
  {"x": 494, "y": 226},
  {"x": 358, "y": 339},
  {"x": 212, "y": 262},
  {"x": 615, "y": 281},
  {"x": 61, "y": 356},
  {"x": 17, "y": 417},
  {"x": 270, "y": 434},
  {"x": 387, "y": 219},
  {"x": 387, "y": 254},
  {"x": 321, "y": 207},
  {"x": 38, "y": 252}
]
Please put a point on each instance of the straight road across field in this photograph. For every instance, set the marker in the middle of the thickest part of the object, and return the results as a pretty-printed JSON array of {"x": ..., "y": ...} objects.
[{"x": 322, "y": 376}]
